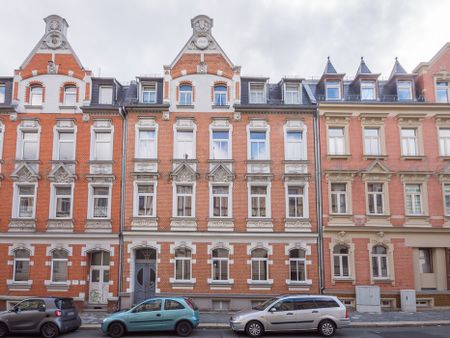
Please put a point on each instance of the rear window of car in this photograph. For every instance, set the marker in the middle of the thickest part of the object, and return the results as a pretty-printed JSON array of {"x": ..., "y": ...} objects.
[
  {"x": 64, "y": 303},
  {"x": 326, "y": 303},
  {"x": 171, "y": 304},
  {"x": 191, "y": 303}
]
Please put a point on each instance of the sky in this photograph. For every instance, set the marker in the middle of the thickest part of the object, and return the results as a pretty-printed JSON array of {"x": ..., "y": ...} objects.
[{"x": 274, "y": 38}]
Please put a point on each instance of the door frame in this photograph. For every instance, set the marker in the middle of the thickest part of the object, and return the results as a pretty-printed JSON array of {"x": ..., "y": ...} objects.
[{"x": 153, "y": 264}]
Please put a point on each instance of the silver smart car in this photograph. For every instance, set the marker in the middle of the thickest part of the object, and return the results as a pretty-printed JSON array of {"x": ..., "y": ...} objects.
[{"x": 290, "y": 313}]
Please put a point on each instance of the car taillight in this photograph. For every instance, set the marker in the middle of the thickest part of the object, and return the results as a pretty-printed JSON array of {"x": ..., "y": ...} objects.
[
  {"x": 58, "y": 313},
  {"x": 346, "y": 313}
]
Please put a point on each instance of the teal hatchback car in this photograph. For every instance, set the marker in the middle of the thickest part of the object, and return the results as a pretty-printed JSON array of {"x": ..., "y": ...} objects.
[{"x": 156, "y": 314}]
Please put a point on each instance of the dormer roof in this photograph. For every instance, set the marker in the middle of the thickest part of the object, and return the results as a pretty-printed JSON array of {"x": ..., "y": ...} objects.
[
  {"x": 364, "y": 72},
  {"x": 397, "y": 70},
  {"x": 330, "y": 72}
]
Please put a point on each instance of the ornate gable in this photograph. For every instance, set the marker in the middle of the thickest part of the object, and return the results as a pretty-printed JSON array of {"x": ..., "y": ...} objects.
[
  {"x": 61, "y": 174},
  {"x": 24, "y": 173},
  {"x": 184, "y": 173},
  {"x": 220, "y": 173},
  {"x": 376, "y": 171}
]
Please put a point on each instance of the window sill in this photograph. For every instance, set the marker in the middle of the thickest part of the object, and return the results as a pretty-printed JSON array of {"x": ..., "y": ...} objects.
[
  {"x": 260, "y": 282},
  {"x": 412, "y": 158},
  {"x": 63, "y": 107},
  {"x": 298, "y": 283},
  {"x": 144, "y": 223},
  {"x": 37, "y": 107},
  {"x": 143, "y": 159},
  {"x": 185, "y": 106},
  {"x": 57, "y": 286},
  {"x": 343, "y": 279},
  {"x": 98, "y": 225},
  {"x": 339, "y": 157},
  {"x": 225, "y": 106},
  {"x": 444, "y": 158},
  {"x": 375, "y": 157},
  {"x": 382, "y": 280},
  {"x": 101, "y": 162},
  {"x": 19, "y": 286},
  {"x": 182, "y": 282},
  {"x": 227, "y": 282}
]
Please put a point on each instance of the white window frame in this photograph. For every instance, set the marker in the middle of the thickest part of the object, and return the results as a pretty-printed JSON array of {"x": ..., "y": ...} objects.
[
  {"x": 333, "y": 84},
  {"x": 16, "y": 259},
  {"x": 53, "y": 260},
  {"x": 254, "y": 96},
  {"x": 53, "y": 199},
  {"x": 368, "y": 84},
  {"x": 372, "y": 140},
  {"x": 21, "y": 131},
  {"x": 68, "y": 94},
  {"x": 304, "y": 196},
  {"x": 446, "y": 195},
  {"x": 414, "y": 197},
  {"x": 91, "y": 200},
  {"x": 379, "y": 258},
  {"x": 220, "y": 94},
  {"x": 298, "y": 261},
  {"x": 136, "y": 198},
  {"x": 220, "y": 259},
  {"x": 34, "y": 101},
  {"x": 138, "y": 153},
  {"x": 401, "y": 85},
  {"x": 338, "y": 197},
  {"x": 57, "y": 142},
  {"x": 3, "y": 91},
  {"x": 175, "y": 199},
  {"x": 193, "y": 129},
  {"x": 103, "y": 98},
  {"x": 297, "y": 127},
  {"x": 106, "y": 130},
  {"x": 16, "y": 200},
  {"x": 341, "y": 261},
  {"x": 372, "y": 195},
  {"x": 211, "y": 142},
  {"x": 408, "y": 140},
  {"x": 442, "y": 88},
  {"x": 259, "y": 261},
  {"x": 267, "y": 197},
  {"x": 229, "y": 196},
  {"x": 444, "y": 142},
  {"x": 186, "y": 96},
  {"x": 292, "y": 95},
  {"x": 333, "y": 145},
  {"x": 182, "y": 259},
  {"x": 151, "y": 85}
]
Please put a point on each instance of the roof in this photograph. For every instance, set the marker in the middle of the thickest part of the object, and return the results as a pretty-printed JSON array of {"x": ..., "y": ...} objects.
[
  {"x": 363, "y": 69},
  {"x": 329, "y": 68},
  {"x": 397, "y": 69}
]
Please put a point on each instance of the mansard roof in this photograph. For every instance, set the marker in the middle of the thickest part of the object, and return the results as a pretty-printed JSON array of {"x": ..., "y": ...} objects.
[{"x": 397, "y": 69}]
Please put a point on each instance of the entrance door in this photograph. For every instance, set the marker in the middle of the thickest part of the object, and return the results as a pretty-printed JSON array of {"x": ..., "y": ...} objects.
[
  {"x": 99, "y": 278},
  {"x": 448, "y": 269},
  {"x": 144, "y": 274}
]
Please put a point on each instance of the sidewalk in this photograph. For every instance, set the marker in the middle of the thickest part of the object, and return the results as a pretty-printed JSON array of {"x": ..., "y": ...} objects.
[{"x": 386, "y": 318}]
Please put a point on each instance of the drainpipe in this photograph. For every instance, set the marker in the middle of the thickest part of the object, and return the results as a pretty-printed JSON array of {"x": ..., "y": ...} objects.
[
  {"x": 122, "y": 201},
  {"x": 318, "y": 176}
]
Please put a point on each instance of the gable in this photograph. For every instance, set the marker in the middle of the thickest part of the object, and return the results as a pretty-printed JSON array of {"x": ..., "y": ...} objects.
[{"x": 188, "y": 62}]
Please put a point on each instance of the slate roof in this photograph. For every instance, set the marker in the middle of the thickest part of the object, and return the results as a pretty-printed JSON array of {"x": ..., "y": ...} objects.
[
  {"x": 363, "y": 69},
  {"x": 397, "y": 69},
  {"x": 131, "y": 97},
  {"x": 329, "y": 68},
  {"x": 8, "y": 83}
]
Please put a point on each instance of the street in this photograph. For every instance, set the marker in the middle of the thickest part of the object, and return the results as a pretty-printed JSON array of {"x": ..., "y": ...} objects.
[{"x": 396, "y": 332}]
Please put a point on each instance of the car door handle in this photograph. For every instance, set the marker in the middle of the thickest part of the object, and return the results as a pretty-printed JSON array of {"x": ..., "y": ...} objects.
[
  {"x": 158, "y": 315},
  {"x": 289, "y": 314},
  {"x": 315, "y": 311}
]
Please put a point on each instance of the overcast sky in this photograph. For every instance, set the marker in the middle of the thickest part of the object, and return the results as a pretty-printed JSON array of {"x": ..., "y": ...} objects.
[{"x": 273, "y": 38}]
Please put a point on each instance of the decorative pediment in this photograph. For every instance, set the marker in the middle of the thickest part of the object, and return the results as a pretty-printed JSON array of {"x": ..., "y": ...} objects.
[
  {"x": 340, "y": 175},
  {"x": 220, "y": 173},
  {"x": 376, "y": 170},
  {"x": 61, "y": 174},
  {"x": 184, "y": 173},
  {"x": 414, "y": 176},
  {"x": 24, "y": 173}
]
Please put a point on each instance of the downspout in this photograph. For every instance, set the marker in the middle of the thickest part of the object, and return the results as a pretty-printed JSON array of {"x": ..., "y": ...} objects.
[
  {"x": 318, "y": 176},
  {"x": 122, "y": 201}
]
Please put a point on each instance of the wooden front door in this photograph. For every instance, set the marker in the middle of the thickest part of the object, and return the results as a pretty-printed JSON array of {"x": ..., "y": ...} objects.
[
  {"x": 99, "y": 278},
  {"x": 144, "y": 274}
]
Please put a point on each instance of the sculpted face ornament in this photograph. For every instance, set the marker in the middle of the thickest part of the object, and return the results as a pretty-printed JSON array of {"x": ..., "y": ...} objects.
[{"x": 202, "y": 25}]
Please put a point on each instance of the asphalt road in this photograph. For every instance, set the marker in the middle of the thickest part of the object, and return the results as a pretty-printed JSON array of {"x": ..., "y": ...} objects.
[{"x": 396, "y": 332}]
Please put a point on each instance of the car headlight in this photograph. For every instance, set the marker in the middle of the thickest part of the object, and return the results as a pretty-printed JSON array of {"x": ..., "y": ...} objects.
[{"x": 104, "y": 320}]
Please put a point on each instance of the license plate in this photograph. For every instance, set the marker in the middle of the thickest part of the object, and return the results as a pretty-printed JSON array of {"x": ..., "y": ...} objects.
[{"x": 71, "y": 313}]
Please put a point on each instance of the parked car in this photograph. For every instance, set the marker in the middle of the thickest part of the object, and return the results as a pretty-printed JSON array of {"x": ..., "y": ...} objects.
[
  {"x": 291, "y": 313},
  {"x": 156, "y": 314},
  {"x": 48, "y": 316}
]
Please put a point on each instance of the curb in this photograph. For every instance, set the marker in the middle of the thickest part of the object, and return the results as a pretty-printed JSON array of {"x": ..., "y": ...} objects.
[{"x": 353, "y": 324}]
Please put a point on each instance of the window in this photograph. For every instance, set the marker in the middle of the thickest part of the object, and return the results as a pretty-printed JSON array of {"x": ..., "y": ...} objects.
[
  {"x": 30, "y": 305},
  {"x": 404, "y": 90},
  {"x": 149, "y": 306},
  {"x": 184, "y": 144},
  {"x": 149, "y": 93},
  {"x": 29, "y": 145},
  {"x": 100, "y": 202},
  {"x": 258, "y": 145},
  {"x": 372, "y": 141},
  {"x": 2, "y": 93},
  {"x": 339, "y": 198},
  {"x": 185, "y": 95},
  {"x": 1, "y": 140},
  {"x": 447, "y": 199},
  {"x": 65, "y": 145},
  {"x": 259, "y": 265},
  {"x": 70, "y": 96},
  {"x": 379, "y": 262},
  {"x": 294, "y": 145},
  {"x": 220, "y": 95},
  {"x": 184, "y": 199},
  {"x": 60, "y": 260},
  {"x": 102, "y": 146},
  {"x": 413, "y": 196},
  {"x": 21, "y": 265},
  {"x": 36, "y": 95},
  {"x": 409, "y": 142},
  {"x": 295, "y": 197},
  {"x": 258, "y": 197},
  {"x": 170, "y": 304},
  {"x": 292, "y": 93},
  {"x": 375, "y": 198},
  {"x": 336, "y": 141},
  {"x": 220, "y": 144},
  {"x": 441, "y": 92},
  {"x": 333, "y": 90},
  {"x": 25, "y": 203},
  {"x": 297, "y": 265},
  {"x": 426, "y": 260},
  {"x": 444, "y": 141},
  {"x": 105, "y": 95},
  {"x": 257, "y": 94},
  {"x": 367, "y": 90},
  {"x": 183, "y": 264},
  {"x": 62, "y": 197},
  {"x": 220, "y": 196},
  {"x": 220, "y": 264},
  {"x": 145, "y": 200},
  {"x": 146, "y": 147},
  {"x": 341, "y": 261}
]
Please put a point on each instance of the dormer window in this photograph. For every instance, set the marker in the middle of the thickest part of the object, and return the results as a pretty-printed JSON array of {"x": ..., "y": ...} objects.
[
  {"x": 292, "y": 93},
  {"x": 220, "y": 95},
  {"x": 149, "y": 93},
  {"x": 186, "y": 95},
  {"x": 70, "y": 96},
  {"x": 105, "y": 95},
  {"x": 2, "y": 93},
  {"x": 36, "y": 95},
  {"x": 257, "y": 93},
  {"x": 333, "y": 90},
  {"x": 441, "y": 92},
  {"x": 367, "y": 90},
  {"x": 404, "y": 90}
]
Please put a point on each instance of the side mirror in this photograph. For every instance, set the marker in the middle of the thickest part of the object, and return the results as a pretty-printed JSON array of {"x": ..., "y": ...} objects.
[
  {"x": 15, "y": 309},
  {"x": 273, "y": 309}
]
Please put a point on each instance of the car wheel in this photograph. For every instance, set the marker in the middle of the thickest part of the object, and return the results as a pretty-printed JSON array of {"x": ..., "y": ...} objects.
[
  {"x": 49, "y": 330},
  {"x": 3, "y": 330},
  {"x": 254, "y": 329},
  {"x": 327, "y": 328},
  {"x": 183, "y": 329},
  {"x": 116, "y": 330}
]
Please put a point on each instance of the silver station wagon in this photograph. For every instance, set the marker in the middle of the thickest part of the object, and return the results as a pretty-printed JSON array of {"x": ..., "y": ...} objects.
[{"x": 291, "y": 313}]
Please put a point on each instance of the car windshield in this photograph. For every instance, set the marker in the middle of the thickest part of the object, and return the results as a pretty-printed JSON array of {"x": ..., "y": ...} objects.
[{"x": 265, "y": 304}]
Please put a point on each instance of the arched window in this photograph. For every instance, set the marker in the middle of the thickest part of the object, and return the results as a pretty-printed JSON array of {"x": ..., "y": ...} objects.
[
  {"x": 183, "y": 263},
  {"x": 220, "y": 262},
  {"x": 259, "y": 265},
  {"x": 36, "y": 95},
  {"x": 185, "y": 95},
  {"x": 297, "y": 265},
  {"x": 379, "y": 262},
  {"x": 21, "y": 265},
  {"x": 220, "y": 95},
  {"x": 60, "y": 260},
  {"x": 341, "y": 261},
  {"x": 70, "y": 95}
]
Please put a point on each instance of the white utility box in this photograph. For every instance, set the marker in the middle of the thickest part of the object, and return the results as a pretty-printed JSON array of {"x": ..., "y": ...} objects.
[
  {"x": 408, "y": 300},
  {"x": 368, "y": 299}
]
